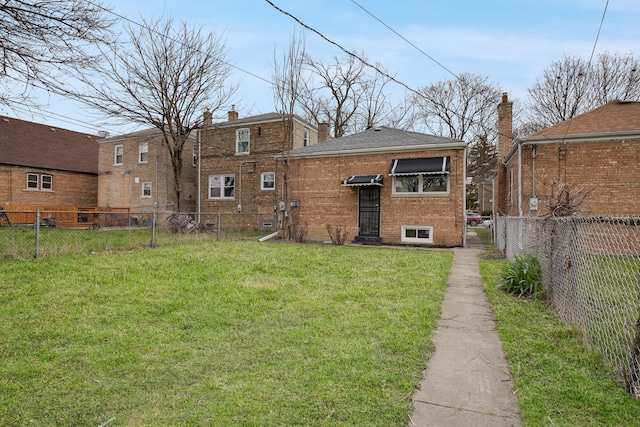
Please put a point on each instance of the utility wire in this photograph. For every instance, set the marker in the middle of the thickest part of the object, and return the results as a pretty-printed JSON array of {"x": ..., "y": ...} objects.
[{"x": 405, "y": 39}]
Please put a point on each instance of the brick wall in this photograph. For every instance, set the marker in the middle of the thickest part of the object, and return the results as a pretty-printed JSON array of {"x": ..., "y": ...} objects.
[
  {"x": 69, "y": 188},
  {"x": 219, "y": 157},
  {"x": 316, "y": 184},
  {"x": 121, "y": 185},
  {"x": 610, "y": 168}
]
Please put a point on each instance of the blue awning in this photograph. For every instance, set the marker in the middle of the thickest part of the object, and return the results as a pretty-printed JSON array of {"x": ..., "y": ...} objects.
[
  {"x": 421, "y": 166},
  {"x": 362, "y": 180}
]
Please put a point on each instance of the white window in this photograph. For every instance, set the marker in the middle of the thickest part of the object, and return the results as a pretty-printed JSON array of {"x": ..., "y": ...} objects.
[
  {"x": 268, "y": 181},
  {"x": 221, "y": 186},
  {"x": 242, "y": 141},
  {"x": 42, "y": 182},
  {"x": 118, "y": 154},
  {"x": 146, "y": 189},
  {"x": 421, "y": 184},
  {"x": 305, "y": 137},
  {"x": 417, "y": 234},
  {"x": 194, "y": 157},
  {"x": 32, "y": 181},
  {"x": 143, "y": 152},
  {"x": 46, "y": 182}
]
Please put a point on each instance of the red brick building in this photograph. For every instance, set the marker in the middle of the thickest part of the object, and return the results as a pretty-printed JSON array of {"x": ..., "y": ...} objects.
[
  {"x": 382, "y": 185},
  {"x": 135, "y": 171},
  {"x": 598, "y": 151},
  {"x": 44, "y": 166}
]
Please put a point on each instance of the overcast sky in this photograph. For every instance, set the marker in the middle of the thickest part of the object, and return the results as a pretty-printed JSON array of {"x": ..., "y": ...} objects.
[{"x": 509, "y": 41}]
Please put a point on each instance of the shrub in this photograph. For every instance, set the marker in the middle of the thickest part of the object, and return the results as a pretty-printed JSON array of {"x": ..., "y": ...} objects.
[
  {"x": 523, "y": 276},
  {"x": 337, "y": 236}
]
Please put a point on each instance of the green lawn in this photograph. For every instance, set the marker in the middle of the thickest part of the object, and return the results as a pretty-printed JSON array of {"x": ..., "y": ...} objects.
[
  {"x": 558, "y": 381},
  {"x": 229, "y": 334}
]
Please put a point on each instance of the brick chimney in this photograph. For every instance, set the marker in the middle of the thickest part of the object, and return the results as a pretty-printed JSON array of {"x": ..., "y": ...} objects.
[
  {"x": 233, "y": 114},
  {"x": 324, "y": 132},
  {"x": 207, "y": 119},
  {"x": 505, "y": 141}
]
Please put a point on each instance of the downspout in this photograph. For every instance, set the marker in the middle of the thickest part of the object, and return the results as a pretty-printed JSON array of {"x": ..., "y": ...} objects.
[
  {"x": 199, "y": 133},
  {"x": 519, "y": 178},
  {"x": 464, "y": 196},
  {"x": 240, "y": 184}
]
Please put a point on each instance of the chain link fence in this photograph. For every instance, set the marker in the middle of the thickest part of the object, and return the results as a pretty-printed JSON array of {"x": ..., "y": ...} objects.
[
  {"x": 28, "y": 234},
  {"x": 591, "y": 272}
]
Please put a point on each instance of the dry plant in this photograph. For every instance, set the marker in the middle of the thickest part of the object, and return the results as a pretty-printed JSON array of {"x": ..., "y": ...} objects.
[
  {"x": 337, "y": 236},
  {"x": 566, "y": 200}
]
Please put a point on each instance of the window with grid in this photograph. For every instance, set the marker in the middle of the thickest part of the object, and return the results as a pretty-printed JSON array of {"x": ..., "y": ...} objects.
[{"x": 221, "y": 186}]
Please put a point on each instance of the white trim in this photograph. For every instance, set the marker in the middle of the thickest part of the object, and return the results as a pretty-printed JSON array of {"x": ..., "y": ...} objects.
[
  {"x": 262, "y": 187},
  {"x": 420, "y": 185},
  {"x": 115, "y": 154},
  {"x": 417, "y": 229},
  {"x": 248, "y": 141},
  {"x": 222, "y": 187},
  {"x": 142, "y": 195}
]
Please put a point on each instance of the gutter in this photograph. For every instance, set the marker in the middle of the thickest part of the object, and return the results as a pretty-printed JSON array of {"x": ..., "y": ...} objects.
[{"x": 392, "y": 149}]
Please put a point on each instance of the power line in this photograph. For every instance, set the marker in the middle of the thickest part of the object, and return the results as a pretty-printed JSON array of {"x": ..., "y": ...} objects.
[
  {"x": 405, "y": 39},
  {"x": 131, "y": 21},
  {"x": 365, "y": 62}
]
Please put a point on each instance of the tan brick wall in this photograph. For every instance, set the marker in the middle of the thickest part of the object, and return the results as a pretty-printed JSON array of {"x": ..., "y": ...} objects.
[
  {"x": 323, "y": 200},
  {"x": 610, "y": 168},
  {"x": 219, "y": 157},
  {"x": 69, "y": 188},
  {"x": 121, "y": 185}
]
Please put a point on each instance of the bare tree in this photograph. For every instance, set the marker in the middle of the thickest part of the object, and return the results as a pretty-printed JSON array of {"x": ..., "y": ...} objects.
[
  {"x": 336, "y": 98},
  {"x": 287, "y": 80},
  {"x": 164, "y": 79},
  {"x": 41, "y": 42},
  {"x": 560, "y": 93},
  {"x": 461, "y": 108},
  {"x": 574, "y": 86}
]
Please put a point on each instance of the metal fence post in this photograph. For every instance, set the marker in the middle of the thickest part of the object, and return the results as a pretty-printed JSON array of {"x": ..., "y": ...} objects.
[
  {"x": 37, "y": 254},
  {"x": 219, "y": 217}
]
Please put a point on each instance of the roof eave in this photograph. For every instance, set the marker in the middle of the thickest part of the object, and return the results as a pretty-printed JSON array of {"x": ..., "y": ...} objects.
[
  {"x": 584, "y": 137},
  {"x": 377, "y": 150}
]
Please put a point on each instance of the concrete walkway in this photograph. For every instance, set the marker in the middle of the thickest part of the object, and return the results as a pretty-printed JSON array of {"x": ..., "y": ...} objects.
[{"x": 467, "y": 381}]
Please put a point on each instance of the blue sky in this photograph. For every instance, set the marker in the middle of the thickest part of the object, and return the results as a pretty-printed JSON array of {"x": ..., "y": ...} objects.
[{"x": 509, "y": 41}]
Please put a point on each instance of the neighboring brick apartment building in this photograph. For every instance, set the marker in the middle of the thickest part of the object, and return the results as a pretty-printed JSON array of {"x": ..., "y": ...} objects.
[
  {"x": 382, "y": 185},
  {"x": 239, "y": 170},
  {"x": 598, "y": 150},
  {"x": 135, "y": 171},
  {"x": 45, "y": 166}
]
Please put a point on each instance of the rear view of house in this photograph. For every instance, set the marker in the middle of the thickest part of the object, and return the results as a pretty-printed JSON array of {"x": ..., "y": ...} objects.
[
  {"x": 44, "y": 166},
  {"x": 382, "y": 185}
]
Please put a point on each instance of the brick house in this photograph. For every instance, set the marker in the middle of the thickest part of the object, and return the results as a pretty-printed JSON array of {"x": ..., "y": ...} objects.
[
  {"x": 239, "y": 169},
  {"x": 45, "y": 166},
  {"x": 597, "y": 150},
  {"x": 135, "y": 171},
  {"x": 382, "y": 185}
]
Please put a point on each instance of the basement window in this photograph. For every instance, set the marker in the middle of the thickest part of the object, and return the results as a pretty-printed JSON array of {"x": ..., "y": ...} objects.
[{"x": 417, "y": 234}]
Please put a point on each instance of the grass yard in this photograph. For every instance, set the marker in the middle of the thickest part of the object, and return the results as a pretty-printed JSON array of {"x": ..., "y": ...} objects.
[
  {"x": 228, "y": 334},
  {"x": 558, "y": 381}
]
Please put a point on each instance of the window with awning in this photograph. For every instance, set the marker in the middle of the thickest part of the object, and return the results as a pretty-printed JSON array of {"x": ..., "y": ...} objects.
[
  {"x": 420, "y": 166},
  {"x": 363, "y": 180},
  {"x": 425, "y": 175}
]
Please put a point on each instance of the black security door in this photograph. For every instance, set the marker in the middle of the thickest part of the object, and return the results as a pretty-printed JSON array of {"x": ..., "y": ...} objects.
[{"x": 369, "y": 211}]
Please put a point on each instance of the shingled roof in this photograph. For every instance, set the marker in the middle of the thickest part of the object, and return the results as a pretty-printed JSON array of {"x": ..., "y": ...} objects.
[
  {"x": 377, "y": 140},
  {"x": 29, "y": 144},
  {"x": 615, "y": 117}
]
